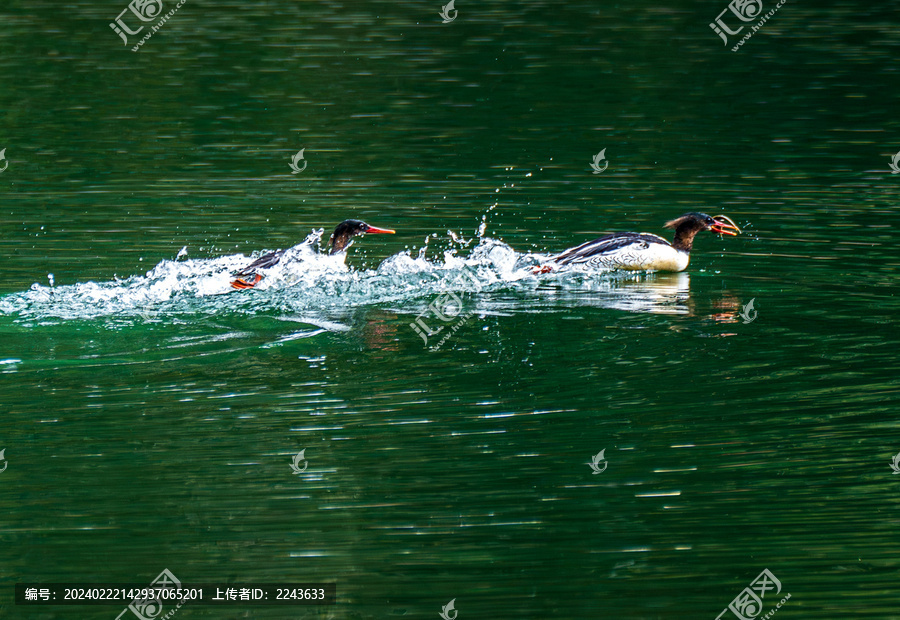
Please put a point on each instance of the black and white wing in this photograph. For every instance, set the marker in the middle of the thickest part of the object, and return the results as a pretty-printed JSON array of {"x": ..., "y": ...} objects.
[
  {"x": 263, "y": 262},
  {"x": 617, "y": 251}
]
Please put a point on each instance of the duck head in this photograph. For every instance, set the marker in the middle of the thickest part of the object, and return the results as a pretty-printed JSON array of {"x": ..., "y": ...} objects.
[
  {"x": 341, "y": 238},
  {"x": 688, "y": 225}
]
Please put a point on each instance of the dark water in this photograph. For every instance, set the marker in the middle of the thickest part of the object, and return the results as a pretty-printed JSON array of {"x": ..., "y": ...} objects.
[{"x": 150, "y": 417}]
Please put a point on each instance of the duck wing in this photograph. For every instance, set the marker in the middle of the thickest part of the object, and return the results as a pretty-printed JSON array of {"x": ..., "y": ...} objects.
[
  {"x": 610, "y": 245},
  {"x": 263, "y": 262}
]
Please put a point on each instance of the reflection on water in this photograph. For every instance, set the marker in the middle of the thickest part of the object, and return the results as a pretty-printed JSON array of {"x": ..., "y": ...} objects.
[
  {"x": 656, "y": 293},
  {"x": 729, "y": 309}
]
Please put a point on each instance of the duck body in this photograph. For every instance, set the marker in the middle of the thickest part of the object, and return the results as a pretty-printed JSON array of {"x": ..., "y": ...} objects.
[
  {"x": 632, "y": 251},
  {"x": 263, "y": 262},
  {"x": 627, "y": 251}
]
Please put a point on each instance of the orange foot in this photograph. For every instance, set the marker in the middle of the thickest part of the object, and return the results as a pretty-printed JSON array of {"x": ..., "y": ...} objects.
[
  {"x": 541, "y": 269},
  {"x": 240, "y": 283}
]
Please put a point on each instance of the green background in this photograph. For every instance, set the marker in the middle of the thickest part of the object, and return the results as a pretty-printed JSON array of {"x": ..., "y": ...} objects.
[{"x": 148, "y": 423}]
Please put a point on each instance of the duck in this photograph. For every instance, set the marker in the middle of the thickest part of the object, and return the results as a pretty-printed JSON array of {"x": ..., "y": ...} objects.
[
  {"x": 341, "y": 239},
  {"x": 633, "y": 251}
]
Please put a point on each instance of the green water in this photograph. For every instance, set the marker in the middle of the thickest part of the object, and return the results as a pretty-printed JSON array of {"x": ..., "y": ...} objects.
[{"x": 151, "y": 421}]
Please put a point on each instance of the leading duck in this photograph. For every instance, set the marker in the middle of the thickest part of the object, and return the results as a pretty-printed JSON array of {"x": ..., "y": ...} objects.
[{"x": 643, "y": 251}]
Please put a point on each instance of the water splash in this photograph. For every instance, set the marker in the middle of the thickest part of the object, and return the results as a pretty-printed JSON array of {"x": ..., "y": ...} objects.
[{"x": 305, "y": 282}]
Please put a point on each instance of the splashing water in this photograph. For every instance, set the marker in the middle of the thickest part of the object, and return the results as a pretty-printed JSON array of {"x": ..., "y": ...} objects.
[{"x": 305, "y": 281}]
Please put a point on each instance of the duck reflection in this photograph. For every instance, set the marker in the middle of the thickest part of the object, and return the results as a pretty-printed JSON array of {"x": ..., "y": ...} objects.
[
  {"x": 655, "y": 293},
  {"x": 727, "y": 309}
]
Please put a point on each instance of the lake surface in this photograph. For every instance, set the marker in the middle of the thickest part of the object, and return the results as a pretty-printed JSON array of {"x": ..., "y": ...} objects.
[{"x": 151, "y": 418}]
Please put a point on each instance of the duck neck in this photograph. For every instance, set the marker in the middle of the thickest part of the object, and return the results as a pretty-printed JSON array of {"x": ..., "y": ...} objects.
[
  {"x": 340, "y": 243},
  {"x": 684, "y": 238}
]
